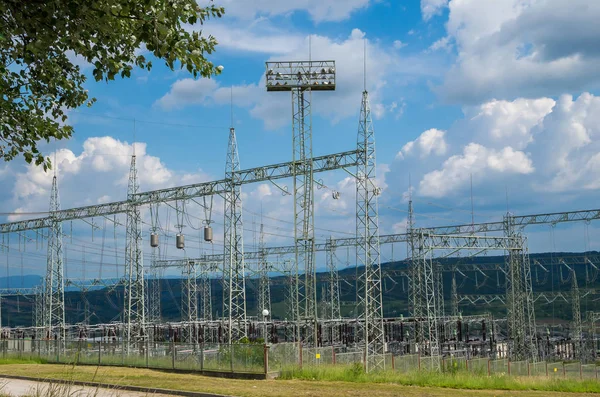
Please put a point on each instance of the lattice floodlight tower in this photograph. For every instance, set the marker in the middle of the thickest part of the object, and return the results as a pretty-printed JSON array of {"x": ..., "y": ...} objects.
[{"x": 302, "y": 77}]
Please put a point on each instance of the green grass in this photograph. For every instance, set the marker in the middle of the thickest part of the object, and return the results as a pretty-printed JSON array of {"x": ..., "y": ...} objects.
[
  {"x": 456, "y": 380},
  {"x": 17, "y": 360}
]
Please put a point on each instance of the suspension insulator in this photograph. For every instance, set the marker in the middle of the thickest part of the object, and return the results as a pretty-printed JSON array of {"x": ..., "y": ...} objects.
[{"x": 154, "y": 240}]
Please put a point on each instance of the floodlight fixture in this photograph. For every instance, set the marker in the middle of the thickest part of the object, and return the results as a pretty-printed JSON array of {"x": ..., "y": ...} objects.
[{"x": 300, "y": 75}]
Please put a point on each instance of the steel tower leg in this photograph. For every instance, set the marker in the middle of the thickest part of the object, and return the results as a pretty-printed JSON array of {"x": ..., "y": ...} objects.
[
  {"x": 304, "y": 233},
  {"x": 234, "y": 306},
  {"x": 205, "y": 293},
  {"x": 367, "y": 250},
  {"x": 54, "y": 299},
  {"x": 153, "y": 282},
  {"x": 454, "y": 298},
  {"x": 135, "y": 309}
]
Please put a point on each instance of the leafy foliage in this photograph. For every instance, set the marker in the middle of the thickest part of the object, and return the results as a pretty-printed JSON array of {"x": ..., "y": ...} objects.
[{"x": 41, "y": 41}]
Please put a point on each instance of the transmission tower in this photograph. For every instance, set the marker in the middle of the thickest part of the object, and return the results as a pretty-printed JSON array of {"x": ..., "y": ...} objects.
[
  {"x": 264, "y": 288},
  {"x": 301, "y": 78},
  {"x": 332, "y": 297},
  {"x": 519, "y": 297},
  {"x": 54, "y": 296},
  {"x": 367, "y": 249},
  {"x": 234, "y": 298},
  {"x": 134, "y": 308}
]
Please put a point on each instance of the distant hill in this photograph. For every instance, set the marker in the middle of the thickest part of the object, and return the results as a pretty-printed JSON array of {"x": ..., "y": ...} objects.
[
  {"x": 106, "y": 305},
  {"x": 28, "y": 281}
]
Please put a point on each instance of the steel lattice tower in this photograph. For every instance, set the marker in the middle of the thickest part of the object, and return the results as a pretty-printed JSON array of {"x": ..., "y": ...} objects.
[
  {"x": 134, "y": 306},
  {"x": 301, "y": 78},
  {"x": 54, "y": 295},
  {"x": 264, "y": 287},
  {"x": 367, "y": 249},
  {"x": 454, "y": 298},
  {"x": 429, "y": 333},
  {"x": 577, "y": 336},
  {"x": 189, "y": 301},
  {"x": 519, "y": 298},
  {"x": 153, "y": 282},
  {"x": 205, "y": 293},
  {"x": 234, "y": 291},
  {"x": 415, "y": 283},
  {"x": 332, "y": 295}
]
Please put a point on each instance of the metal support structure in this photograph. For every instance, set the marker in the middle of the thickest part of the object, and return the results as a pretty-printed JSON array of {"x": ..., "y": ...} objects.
[
  {"x": 304, "y": 232},
  {"x": 454, "y": 297},
  {"x": 54, "y": 294},
  {"x": 331, "y": 299},
  {"x": 577, "y": 335},
  {"x": 519, "y": 297},
  {"x": 367, "y": 249},
  {"x": 205, "y": 294},
  {"x": 301, "y": 78},
  {"x": 189, "y": 302},
  {"x": 234, "y": 273},
  {"x": 134, "y": 306},
  {"x": 430, "y": 336},
  {"x": 264, "y": 282},
  {"x": 153, "y": 281}
]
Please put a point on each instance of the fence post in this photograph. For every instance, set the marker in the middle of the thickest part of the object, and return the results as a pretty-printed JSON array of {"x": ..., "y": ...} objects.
[
  {"x": 467, "y": 364},
  {"x": 202, "y": 356},
  {"x": 147, "y": 353},
  {"x": 333, "y": 355},
  {"x": 419, "y": 360},
  {"x": 266, "y": 354},
  {"x": 173, "y": 353},
  {"x": 528, "y": 368},
  {"x": 546, "y": 362},
  {"x": 580, "y": 370},
  {"x": 564, "y": 370},
  {"x": 508, "y": 366},
  {"x": 393, "y": 363},
  {"x": 100, "y": 352},
  {"x": 300, "y": 352}
]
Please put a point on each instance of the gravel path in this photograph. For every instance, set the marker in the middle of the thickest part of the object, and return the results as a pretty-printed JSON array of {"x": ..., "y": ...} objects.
[{"x": 19, "y": 388}]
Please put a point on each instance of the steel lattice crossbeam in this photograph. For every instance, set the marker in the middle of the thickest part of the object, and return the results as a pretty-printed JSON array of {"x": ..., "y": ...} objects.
[{"x": 253, "y": 175}]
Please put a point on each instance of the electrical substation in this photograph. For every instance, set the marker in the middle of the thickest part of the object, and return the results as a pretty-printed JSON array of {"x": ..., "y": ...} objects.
[{"x": 312, "y": 316}]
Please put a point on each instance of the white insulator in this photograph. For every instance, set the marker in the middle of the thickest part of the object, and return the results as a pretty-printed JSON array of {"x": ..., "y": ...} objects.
[
  {"x": 335, "y": 195},
  {"x": 153, "y": 240},
  {"x": 208, "y": 234},
  {"x": 180, "y": 241}
]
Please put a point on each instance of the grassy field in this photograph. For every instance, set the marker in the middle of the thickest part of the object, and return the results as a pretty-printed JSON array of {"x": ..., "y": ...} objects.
[{"x": 326, "y": 381}]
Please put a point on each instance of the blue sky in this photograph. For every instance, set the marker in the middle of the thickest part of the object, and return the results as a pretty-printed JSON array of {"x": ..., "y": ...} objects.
[{"x": 503, "y": 93}]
